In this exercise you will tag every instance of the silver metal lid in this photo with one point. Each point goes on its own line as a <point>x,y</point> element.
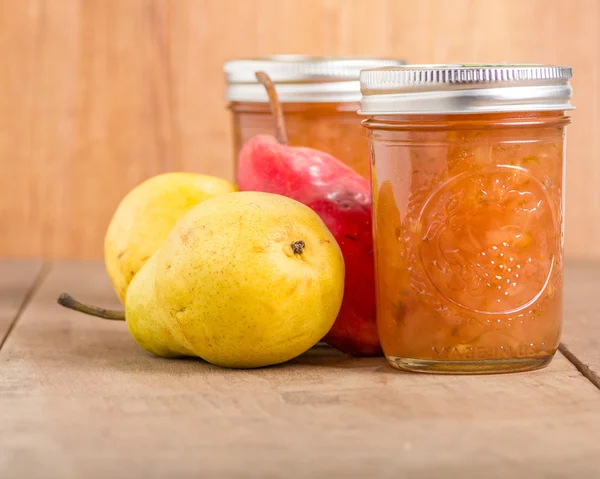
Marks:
<point>300,78</point>
<point>469,88</point>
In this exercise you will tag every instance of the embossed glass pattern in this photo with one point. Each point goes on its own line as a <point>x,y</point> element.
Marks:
<point>468,226</point>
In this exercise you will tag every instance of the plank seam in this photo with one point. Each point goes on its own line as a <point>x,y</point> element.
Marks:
<point>584,369</point>
<point>33,289</point>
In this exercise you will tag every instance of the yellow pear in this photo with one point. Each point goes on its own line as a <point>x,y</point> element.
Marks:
<point>145,216</point>
<point>145,319</point>
<point>243,280</point>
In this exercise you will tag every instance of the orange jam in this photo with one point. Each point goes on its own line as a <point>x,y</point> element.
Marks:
<point>330,127</point>
<point>467,167</point>
<point>468,228</point>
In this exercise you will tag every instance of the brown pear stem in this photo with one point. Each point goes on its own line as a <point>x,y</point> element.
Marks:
<point>68,302</point>
<point>276,110</point>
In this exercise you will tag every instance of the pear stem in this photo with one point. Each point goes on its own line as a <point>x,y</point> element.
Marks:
<point>68,302</point>
<point>276,109</point>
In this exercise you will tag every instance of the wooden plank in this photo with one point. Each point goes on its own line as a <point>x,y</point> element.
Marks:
<point>78,398</point>
<point>581,334</point>
<point>17,279</point>
<point>96,96</point>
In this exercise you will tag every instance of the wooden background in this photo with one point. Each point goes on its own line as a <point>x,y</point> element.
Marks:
<point>97,95</point>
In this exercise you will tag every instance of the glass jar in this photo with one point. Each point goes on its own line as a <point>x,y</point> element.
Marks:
<point>319,95</point>
<point>467,166</point>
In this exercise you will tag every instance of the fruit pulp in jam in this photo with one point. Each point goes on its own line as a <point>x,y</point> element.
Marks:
<point>468,236</point>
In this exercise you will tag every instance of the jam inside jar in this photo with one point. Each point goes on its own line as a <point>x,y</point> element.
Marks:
<point>468,237</point>
<point>320,97</point>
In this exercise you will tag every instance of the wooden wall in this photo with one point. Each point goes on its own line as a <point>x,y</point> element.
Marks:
<point>97,95</point>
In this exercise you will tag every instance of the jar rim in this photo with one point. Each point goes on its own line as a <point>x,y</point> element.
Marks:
<point>465,88</point>
<point>301,78</point>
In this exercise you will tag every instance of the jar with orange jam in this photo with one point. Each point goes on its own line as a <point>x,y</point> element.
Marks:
<point>319,95</point>
<point>467,166</point>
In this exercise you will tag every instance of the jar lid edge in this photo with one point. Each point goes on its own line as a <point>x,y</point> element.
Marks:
<point>465,88</point>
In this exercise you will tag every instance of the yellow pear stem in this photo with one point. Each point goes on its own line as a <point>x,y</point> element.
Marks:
<point>276,110</point>
<point>67,301</point>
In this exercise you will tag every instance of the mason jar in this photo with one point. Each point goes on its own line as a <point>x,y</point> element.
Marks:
<point>467,166</point>
<point>320,97</point>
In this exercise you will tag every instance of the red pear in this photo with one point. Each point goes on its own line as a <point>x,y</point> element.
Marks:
<point>342,198</point>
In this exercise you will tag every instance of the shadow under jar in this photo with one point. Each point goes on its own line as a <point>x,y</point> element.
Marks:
<point>467,166</point>
<point>320,97</point>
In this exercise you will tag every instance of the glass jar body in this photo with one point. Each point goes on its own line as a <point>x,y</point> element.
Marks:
<point>468,235</point>
<point>331,127</point>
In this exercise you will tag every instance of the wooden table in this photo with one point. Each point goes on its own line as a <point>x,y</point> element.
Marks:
<point>79,399</point>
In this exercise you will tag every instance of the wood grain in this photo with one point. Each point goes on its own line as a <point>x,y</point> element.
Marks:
<point>581,335</point>
<point>79,399</point>
<point>17,281</point>
<point>96,96</point>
